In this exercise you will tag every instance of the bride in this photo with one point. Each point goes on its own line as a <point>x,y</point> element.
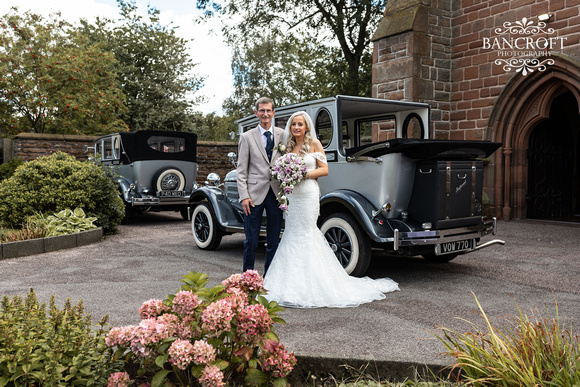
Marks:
<point>305,272</point>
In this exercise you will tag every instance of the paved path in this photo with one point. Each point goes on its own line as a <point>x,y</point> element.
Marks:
<point>538,264</point>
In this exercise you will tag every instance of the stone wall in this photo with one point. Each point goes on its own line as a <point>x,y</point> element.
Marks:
<point>433,51</point>
<point>211,156</point>
<point>412,57</point>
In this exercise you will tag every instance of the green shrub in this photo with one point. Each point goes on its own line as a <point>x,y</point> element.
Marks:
<point>68,222</point>
<point>528,351</point>
<point>40,347</point>
<point>7,169</point>
<point>52,183</point>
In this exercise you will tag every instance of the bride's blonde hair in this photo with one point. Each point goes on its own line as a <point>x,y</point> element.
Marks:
<point>291,141</point>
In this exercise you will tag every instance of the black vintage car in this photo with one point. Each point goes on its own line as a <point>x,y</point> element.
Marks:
<point>157,169</point>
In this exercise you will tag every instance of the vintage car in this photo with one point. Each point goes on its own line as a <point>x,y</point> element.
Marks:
<point>157,169</point>
<point>389,186</point>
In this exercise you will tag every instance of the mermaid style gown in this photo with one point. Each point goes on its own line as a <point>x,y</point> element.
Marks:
<point>305,272</point>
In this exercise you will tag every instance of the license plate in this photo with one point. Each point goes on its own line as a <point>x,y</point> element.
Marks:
<point>170,193</point>
<point>454,247</point>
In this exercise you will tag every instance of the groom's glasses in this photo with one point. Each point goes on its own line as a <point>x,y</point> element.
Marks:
<point>262,111</point>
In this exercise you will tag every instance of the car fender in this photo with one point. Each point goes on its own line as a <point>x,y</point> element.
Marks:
<point>125,189</point>
<point>378,228</point>
<point>226,215</point>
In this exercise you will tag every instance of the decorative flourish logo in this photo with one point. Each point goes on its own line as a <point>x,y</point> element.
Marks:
<point>523,46</point>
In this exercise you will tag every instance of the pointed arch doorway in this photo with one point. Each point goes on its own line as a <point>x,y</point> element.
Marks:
<point>537,119</point>
<point>553,163</point>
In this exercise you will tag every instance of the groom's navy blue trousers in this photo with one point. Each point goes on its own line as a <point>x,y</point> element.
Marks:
<point>252,225</point>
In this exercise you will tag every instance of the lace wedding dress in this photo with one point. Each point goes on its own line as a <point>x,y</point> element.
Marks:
<point>305,272</point>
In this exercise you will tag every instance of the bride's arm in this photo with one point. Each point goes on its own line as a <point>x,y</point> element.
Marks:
<point>322,169</point>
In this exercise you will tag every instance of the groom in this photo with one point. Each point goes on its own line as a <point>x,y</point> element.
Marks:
<point>258,151</point>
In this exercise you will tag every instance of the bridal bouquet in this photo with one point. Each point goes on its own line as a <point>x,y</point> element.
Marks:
<point>288,170</point>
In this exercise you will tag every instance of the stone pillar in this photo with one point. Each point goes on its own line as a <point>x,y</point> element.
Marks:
<point>412,57</point>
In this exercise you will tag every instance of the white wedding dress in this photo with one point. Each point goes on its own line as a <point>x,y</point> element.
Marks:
<point>305,272</point>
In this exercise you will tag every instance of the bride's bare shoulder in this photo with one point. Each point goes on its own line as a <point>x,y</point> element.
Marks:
<point>316,145</point>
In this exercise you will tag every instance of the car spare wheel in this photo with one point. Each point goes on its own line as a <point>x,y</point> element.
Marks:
<point>170,179</point>
<point>348,242</point>
<point>206,233</point>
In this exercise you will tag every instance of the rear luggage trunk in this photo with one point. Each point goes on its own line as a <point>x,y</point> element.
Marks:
<point>447,194</point>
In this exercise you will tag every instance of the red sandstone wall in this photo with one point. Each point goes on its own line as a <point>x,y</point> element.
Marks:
<point>476,80</point>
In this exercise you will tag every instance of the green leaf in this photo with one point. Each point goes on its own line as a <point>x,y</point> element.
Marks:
<point>159,378</point>
<point>280,382</point>
<point>255,377</point>
<point>161,360</point>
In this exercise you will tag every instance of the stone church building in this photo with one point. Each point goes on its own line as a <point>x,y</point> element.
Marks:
<point>503,71</point>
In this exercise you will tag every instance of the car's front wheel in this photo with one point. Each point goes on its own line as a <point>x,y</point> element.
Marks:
<point>206,233</point>
<point>348,242</point>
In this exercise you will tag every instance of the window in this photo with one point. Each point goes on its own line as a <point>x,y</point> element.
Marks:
<point>413,126</point>
<point>383,129</point>
<point>323,127</point>
<point>166,144</point>
<point>281,121</point>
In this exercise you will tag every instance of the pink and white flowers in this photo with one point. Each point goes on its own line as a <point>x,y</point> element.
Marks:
<point>288,170</point>
<point>207,335</point>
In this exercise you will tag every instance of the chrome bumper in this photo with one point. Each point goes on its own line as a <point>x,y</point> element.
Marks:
<point>434,237</point>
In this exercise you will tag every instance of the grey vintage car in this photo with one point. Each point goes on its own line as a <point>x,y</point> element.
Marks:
<point>389,186</point>
<point>157,169</point>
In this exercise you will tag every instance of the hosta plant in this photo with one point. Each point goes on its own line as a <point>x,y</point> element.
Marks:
<point>68,222</point>
<point>208,336</point>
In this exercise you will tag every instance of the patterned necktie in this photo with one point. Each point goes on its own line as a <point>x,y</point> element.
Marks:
<point>269,144</point>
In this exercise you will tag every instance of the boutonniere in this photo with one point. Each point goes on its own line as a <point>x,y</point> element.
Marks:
<point>281,147</point>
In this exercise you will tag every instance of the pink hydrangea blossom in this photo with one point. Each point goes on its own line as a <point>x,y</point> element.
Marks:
<point>121,336</point>
<point>119,379</point>
<point>250,280</point>
<point>152,309</point>
<point>217,317</point>
<point>233,281</point>
<point>253,281</point>
<point>168,325</point>
<point>211,376</point>
<point>185,303</point>
<point>253,322</point>
<point>203,353</point>
<point>278,361</point>
<point>181,353</point>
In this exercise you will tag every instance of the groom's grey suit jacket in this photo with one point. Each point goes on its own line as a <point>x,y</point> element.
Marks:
<point>253,172</point>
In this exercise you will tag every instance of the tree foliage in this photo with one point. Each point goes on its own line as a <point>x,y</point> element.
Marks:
<point>53,80</point>
<point>310,47</point>
<point>154,68</point>
<point>289,71</point>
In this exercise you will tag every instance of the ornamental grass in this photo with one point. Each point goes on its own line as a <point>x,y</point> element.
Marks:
<point>528,350</point>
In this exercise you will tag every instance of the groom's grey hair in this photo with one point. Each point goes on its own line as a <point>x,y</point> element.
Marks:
<point>264,100</point>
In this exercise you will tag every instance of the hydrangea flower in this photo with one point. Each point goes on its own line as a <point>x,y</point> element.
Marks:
<point>211,376</point>
<point>217,317</point>
<point>185,303</point>
<point>203,353</point>
<point>119,379</point>
<point>278,361</point>
<point>253,323</point>
<point>152,309</point>
<point>181,353</point>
